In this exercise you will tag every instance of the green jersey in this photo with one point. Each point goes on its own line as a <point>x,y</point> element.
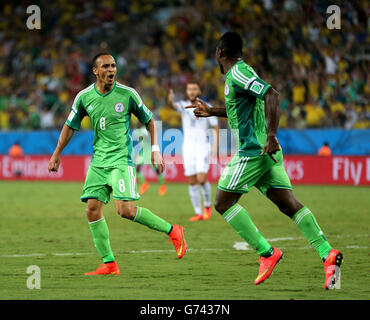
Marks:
<point>245,108</point>
<point>110,115</point>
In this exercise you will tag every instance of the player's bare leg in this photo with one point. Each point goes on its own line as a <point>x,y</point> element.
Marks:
<point>128,210</point>
<point>225,200</point>
<point>285,200</point>
<point>287,203</point>
<point>205,188</point>
<point>227,204</point>
<point>94,210</point>
<point>100,234</point>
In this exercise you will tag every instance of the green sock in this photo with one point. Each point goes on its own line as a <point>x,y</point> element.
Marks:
<point>161,178</point>
<point>307,223</point>
<point>140,177</point>
<point>240,220</point>
<point>100,234</point>
<point>149,219</point>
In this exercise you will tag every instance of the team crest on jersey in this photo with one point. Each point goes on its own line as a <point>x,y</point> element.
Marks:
<point>119,107</point>
<point>227,90</point>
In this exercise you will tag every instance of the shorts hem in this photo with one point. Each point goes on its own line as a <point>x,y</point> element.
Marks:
<point>235,191</point>
<point>85,198</point>
<point>281,187</point>
<point>126,198</point>
<point>264,190</point>
<point>194,174</point>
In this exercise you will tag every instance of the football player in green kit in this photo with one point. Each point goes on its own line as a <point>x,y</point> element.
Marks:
<point>109,106</point>
<point>252,108</point>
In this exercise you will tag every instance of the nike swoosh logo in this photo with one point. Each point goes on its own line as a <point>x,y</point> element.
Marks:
<point>180,250</point>
<point>260,276</point>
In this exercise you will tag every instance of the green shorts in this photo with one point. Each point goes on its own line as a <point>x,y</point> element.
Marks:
<point>242,173</point>
<point>100,182</point>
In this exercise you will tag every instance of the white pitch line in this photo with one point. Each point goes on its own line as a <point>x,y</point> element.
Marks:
<point>238,245</point>
<point>43,254</point>
<point>241,248</point>
<point>71,254</point>
<point>23,255</point>
<point>356,247</point>
<point>242,245</point>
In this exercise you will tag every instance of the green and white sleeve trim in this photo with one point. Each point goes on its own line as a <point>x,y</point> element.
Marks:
<point>79,95</point>
<point>241,78</point>
<point>140,101</point>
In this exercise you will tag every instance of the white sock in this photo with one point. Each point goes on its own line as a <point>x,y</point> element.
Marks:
<point>206,192</point>
<point>195,198</point>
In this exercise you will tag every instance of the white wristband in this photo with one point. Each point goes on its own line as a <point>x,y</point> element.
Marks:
<point>155,148</point>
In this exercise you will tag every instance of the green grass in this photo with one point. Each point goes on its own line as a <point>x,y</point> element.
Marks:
<point>44,223</point>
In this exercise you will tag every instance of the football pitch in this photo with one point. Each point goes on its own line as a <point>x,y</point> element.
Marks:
<point>44,224</point>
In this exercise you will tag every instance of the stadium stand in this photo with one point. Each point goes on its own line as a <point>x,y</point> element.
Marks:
<point>323,75</point>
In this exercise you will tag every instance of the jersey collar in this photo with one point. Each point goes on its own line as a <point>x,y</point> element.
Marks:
<point>105,94</point>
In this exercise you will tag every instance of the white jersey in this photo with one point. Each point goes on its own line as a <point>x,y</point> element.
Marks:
<point>195,130</point>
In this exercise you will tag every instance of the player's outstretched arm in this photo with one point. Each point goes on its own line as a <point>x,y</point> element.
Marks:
<point>170,100</point>
<point>202,109</point>
<point>272,113</point>
<point>64,137</point>
<point>157,159</point>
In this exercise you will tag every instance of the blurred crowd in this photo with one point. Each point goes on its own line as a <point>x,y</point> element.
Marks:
<point>323,75</point>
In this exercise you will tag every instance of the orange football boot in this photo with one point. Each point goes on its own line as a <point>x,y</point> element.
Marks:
<point>144,187</point>
<point>162,190</point>
<point>207,213</point>
<point>177,236</point>
<point>196,217</point>
<point>267,265</point>
<point>106,268</point>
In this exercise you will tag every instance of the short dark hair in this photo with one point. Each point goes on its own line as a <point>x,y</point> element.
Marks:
<point>193,81</point>
<point>93,61</point>
<point>232,44</point>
